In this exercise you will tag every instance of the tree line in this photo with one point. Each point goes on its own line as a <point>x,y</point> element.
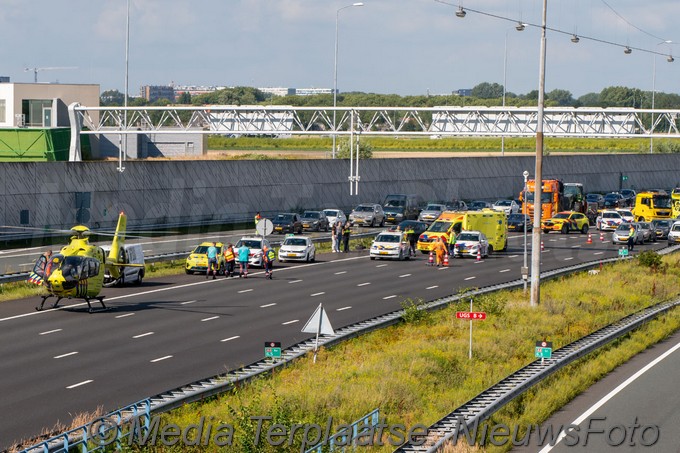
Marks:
<point>484,94</point>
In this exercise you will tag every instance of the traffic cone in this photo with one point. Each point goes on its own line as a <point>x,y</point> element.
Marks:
<point>430,260</point>
<point>479,255</point>
<point>601,236</point>
<point>590,239</point>
<point>446,260</point>
<point>542,246</point>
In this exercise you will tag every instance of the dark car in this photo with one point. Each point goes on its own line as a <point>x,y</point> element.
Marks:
<point>457,205</point>
<point>478,205</point>
<point>628,195</point>
<point>418,226</point>
<point>314,220</point>
<point>288,222</point>
<point>516,222</point>
<point>595,198</point>
<point>614,200</point>
<point>661,227</point>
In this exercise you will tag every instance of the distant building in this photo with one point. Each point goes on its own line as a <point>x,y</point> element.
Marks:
<point>463,92</point>
<point>312,91</point>
<point>278,91</point>
<point>153,93</point>
<point>4,79</point>
<point>195,90</point>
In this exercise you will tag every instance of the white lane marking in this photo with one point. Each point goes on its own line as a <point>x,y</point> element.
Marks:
<point>125,315</point>
<point>442,268</point>
<point>289,322</point>
<point>570,258</point>
<point>390,297</point>
<point>230,338</point>
<point>562,239</point>
<point>161,358</point>
<point>245,290</point>
<point>209,319</point>
<point>268,305</point>
<point>364,284</point>
<point>555,240</point>
<point>79,384</point>
<point>317,294</point>
<point>26,264</point>
<point>170,288</point>
<point>405,275</point>
<point>65,355</point>
<point>188,302</point>
<point>341,272</point>
<point>504,270</point>
<point>611,395</point>
<point>143,335</point>
<point>432,287</point>
<point>295,281</point>
<point>343,308</point>
<point>381,265</point>
<point>513,256</point>
<point>598,253</point>
<point>470,278</point>
<point>575,246</point>
<point>49,332</point>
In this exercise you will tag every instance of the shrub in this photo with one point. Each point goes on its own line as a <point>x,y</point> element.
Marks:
<point>365,149</point>
<point>650,258</point>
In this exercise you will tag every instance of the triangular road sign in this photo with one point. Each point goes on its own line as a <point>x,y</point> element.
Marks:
<point>319,323</point>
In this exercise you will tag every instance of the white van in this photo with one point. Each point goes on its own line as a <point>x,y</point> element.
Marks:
<point>130,275</point>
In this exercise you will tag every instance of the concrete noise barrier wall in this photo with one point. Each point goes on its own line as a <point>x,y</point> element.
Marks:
<point>62,194</point>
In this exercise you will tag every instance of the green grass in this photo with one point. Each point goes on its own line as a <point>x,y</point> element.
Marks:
<point>418,371</point>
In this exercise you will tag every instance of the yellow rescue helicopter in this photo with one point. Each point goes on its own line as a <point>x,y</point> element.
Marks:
<point>77,270</point>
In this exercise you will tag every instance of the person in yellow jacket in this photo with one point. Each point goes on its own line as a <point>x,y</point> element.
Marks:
<point>440,250</point>
<point>229,260</point>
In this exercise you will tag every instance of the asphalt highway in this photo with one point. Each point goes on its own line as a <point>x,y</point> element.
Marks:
<point>178,329</point>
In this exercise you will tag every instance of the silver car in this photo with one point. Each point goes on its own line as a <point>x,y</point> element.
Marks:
<point>648,233</point>
<point>622,233</point>
<point>431,212</point>
<point>334,215</point>
<point>368,215</point>
<point>469,243</point>
<point>674,234</point>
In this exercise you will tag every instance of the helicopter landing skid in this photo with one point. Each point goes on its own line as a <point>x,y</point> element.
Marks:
<point>101,301</point>
<point>44,298</point>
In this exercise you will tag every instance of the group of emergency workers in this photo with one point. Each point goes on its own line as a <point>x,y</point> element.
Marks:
<point>231,257</point>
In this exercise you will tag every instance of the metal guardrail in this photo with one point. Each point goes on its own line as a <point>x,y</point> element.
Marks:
<point>341,437</point>
<point>205,388</point>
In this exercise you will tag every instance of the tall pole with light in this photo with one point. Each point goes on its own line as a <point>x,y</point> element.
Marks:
<point>525,269</point>
<point>519,27</point>
<point>538,173</point>
<point>123,147</point>
<point>670,60</point>
<point>335,71</point>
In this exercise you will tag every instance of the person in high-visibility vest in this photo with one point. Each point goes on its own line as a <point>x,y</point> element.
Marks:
<point>268,257</point>
<point>440,250</point>
<point>258,217</point>
<point>229,260</point>
<point>346,230</point>
<point>452,243</point>
<point>411,238</point>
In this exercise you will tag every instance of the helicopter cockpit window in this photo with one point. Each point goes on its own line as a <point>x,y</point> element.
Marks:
<point>93,267</point>
<point>72,268</point>
<point>53,264</point>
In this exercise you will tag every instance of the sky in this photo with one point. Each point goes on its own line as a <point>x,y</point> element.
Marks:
<point>404,47</point>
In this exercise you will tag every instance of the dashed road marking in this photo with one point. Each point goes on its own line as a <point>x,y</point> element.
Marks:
<point>432,287</point>
<point>390,297</point>
<point>50,331</point>
<point>245,290</point>
<point>209,319</point>
<point>343,308</point>
<point>79,384</point>
<point>230,338</point>
<point>65,355</point>
<point>569,258</point>
<point>125,315</point>
<point>381,265</point>
<point>295,281</point>
<point>341,272</point>
<point>161,358</point>
<point>188,302</point>
<point>364,284</point>
<point>268,305</point>
<point>404,275</point>
<point>504,270</point>
<point>598,253</point>
<point>513,256</point>
<point>575,246</point>
<point>290,322</point>
<point>470,278</point>
<point>143,335</point>
<point>317,294</point>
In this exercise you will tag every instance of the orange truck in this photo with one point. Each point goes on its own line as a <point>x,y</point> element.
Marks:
<point>552,198</point>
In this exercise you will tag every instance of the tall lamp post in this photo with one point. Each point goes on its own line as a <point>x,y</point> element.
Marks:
<point>335,69</point>
<point>519,27</point>
<point>123,148</point>
<point>525,269</point>
<point>670,60</point>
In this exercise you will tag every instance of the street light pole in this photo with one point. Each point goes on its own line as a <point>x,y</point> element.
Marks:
<point>123,148</point>
<point>538,174</point>
<point>525,270</point>
<point>505,73</point>
<point>335,71</point>
<point>651,137</point>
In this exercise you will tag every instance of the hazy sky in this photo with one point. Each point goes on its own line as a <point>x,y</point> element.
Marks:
<point>406,47</point>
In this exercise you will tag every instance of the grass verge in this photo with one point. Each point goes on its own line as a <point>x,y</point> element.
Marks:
<point>418,371</point>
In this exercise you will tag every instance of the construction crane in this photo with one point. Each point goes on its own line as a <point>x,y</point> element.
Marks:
<point>35,70</point>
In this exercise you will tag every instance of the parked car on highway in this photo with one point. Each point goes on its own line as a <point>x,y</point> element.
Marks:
<point>608,220</point>
<point>418,226</point>
<point>297,248</point>
<point>314,220</point>
<point>507,206</point>
<point>287,223</point>
<point>614,200</point>
<point>661,228</point>
<point>368,214</point>
<point>469,242</point>
<point>674,234</point>
<point>333,215</point>
<point>255,244</point>
<point>398,207</point>
<point>456,205</point>
<point>478,205</point>
<point>629,195</point>
<point>390,244</point>
<point>431,212</point>
<point>595,198</point>
<point>647,234</point>
<point>197,261</point>
<point>626,214</point>
<point>565,222</point>
<point>516,222</point>
<point>622,232</point>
